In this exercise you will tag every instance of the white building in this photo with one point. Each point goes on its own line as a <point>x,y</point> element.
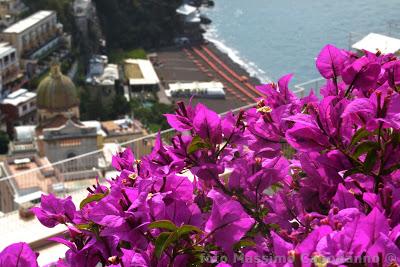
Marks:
<point>197,89</point>
<point>9,66</point>
<point>101,79</point>
<point>32,33</point>
<point>141,75</point>
<point>19,108</point>
<point>24,100</point>
<point>102,73</point>
<point>190,13</point>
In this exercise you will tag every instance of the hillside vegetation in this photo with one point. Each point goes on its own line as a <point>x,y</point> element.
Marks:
<point>127,24</point>
<point>131,24</point>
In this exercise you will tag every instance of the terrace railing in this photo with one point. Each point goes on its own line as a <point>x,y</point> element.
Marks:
<point>304,88</point>
<point>77,173</point>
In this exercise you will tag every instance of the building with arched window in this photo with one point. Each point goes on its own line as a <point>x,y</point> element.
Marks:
<point>60,133</point>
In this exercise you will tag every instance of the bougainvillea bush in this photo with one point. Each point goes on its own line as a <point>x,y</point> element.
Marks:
<point>291,182</point>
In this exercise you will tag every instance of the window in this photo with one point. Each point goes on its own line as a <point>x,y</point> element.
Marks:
<point>70,143</point>
<point>107,91</point>
<point>24,107</point>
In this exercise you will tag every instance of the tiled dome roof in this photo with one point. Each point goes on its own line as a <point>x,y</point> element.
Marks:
<point>57,92</point>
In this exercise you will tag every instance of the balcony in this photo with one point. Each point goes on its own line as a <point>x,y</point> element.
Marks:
<point>33,48</point>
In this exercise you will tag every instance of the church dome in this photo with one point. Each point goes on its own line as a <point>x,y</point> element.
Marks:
<point>57,92</point>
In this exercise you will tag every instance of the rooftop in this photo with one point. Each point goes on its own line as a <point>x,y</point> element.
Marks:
<point>140,72</point>
<point>95,124</point>
<point>196,88</point>
<point>373,41</point>
<point>122,127</point>
<point>186,10</point>
<point>100,72</point>
<point>6,49</point>
<point>109,76</point>
<point>37,181</point>
<point>19,97</point>
<point>30,21</point>
<point>25,133</point>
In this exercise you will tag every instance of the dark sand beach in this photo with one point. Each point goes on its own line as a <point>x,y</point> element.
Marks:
<point>178,64</point>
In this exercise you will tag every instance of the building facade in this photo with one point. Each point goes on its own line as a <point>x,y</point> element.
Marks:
<point>83,12</point>
<point>19,108</point>
<point>102,80</point>
<point>7,203</point>
<point>68,141</point>
<point>9,67</point>
<point>32,33</point>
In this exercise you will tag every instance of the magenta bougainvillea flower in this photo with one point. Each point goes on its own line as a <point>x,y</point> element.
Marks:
<point>291,182</point>
<point>124,161</point>
<point>18,255</point>
<point>54,211</point>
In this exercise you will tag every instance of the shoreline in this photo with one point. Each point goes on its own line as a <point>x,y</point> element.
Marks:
<point>256,75</point>
<point>235,61</point>
<point>239,69</point>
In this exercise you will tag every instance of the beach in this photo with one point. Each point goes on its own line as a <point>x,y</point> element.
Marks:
<point>206,63</point>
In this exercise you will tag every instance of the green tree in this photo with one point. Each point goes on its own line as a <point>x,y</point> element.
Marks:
<point>152,116</point>
<point>138,23</point>
<point>120,106</point>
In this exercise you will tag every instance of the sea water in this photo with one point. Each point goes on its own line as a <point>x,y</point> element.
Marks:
<point>275,37</point>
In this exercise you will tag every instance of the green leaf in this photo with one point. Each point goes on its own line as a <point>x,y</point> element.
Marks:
<point>274,226</point>
<point>360,134</point>
<point>186,229</point>
<point>198,248</point>
<point>161,243</point>
<point>351,172</point>
<point>197,144</point>
<point>243,244</point>
<point>211,247</point>
<point>86,226</point>
<point>365,147</point>
<point>92,198</point>
<point>124,244</point>
<point>370,160</point>
<point>164,224</point>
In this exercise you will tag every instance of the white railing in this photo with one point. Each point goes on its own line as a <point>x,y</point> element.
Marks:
<point>314,84</point>
<point>77,173</point>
